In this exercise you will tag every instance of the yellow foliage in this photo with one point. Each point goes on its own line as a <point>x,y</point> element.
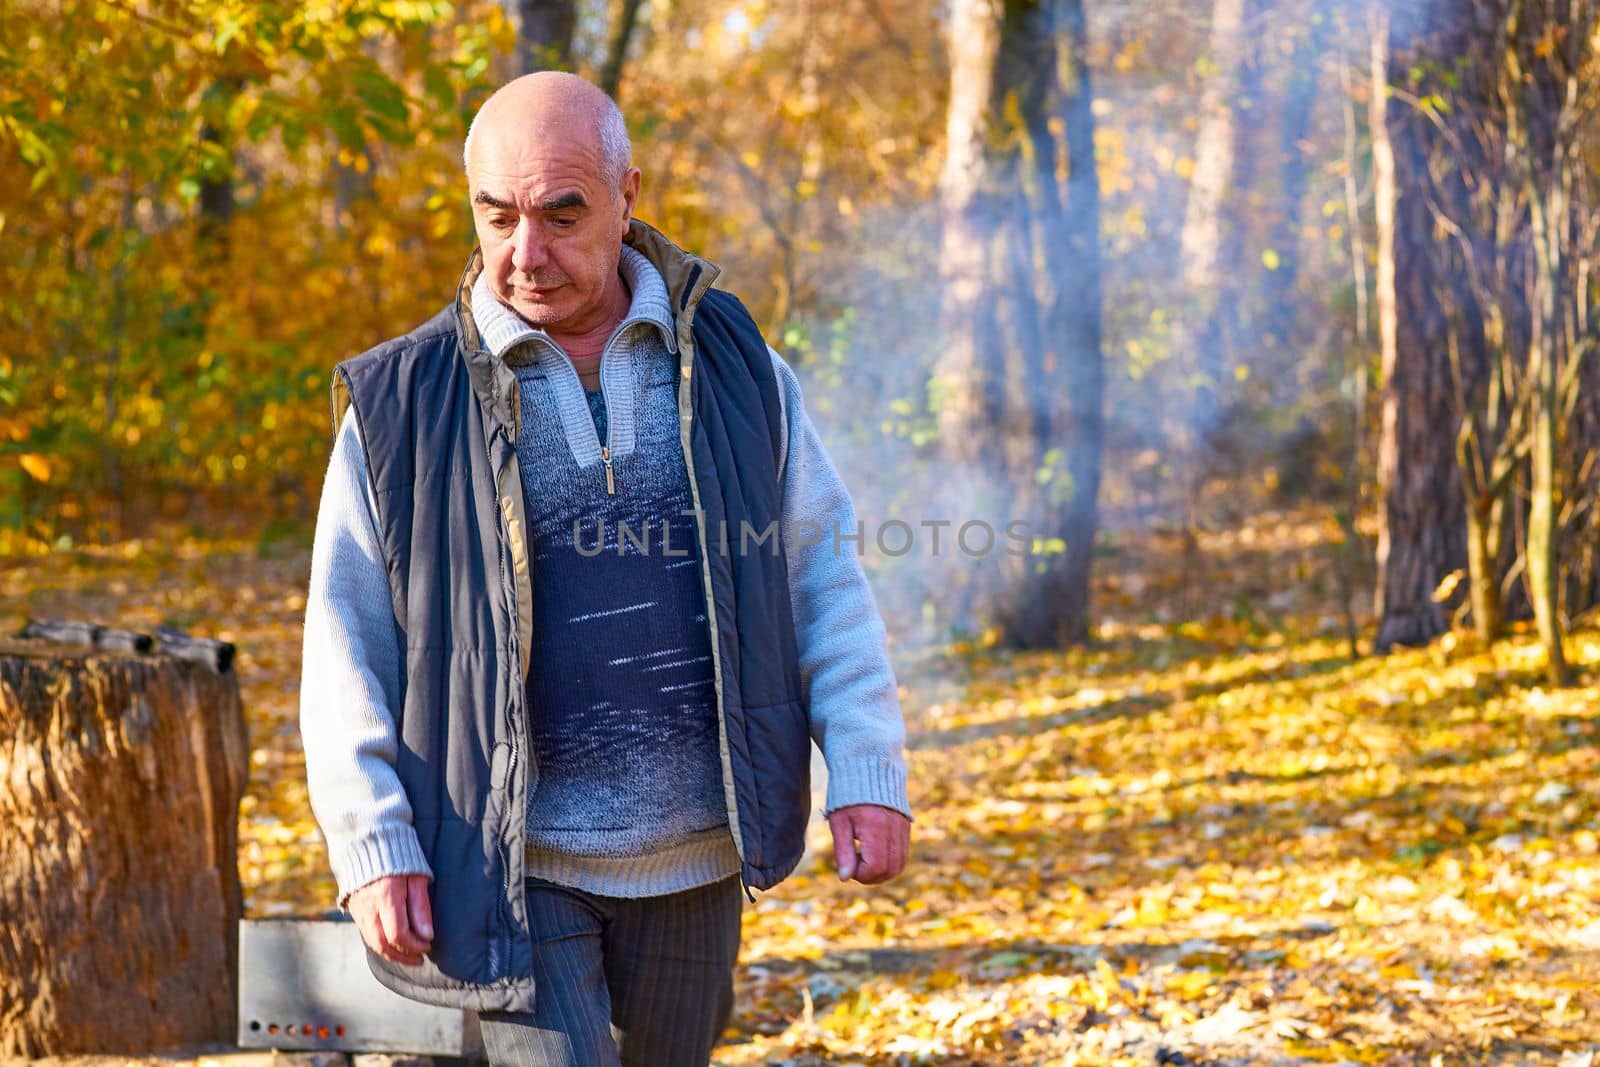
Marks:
<point>37,466</point>
<point>1048,905</point>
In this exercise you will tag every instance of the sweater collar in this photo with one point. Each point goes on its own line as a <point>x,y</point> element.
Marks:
<point>687,277</point>
<point>503,330</point>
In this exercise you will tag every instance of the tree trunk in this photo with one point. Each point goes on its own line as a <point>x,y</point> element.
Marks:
<point>544,33</point>
<point>217,190</point>
<point>1477,281</point>
<point>1020,383</point>
<point>1522,153</point>
<point>969,391</point>
<point>1278,334</point>
<point>1421,534</point>
<point>1349,557</point>
<point>355,167</point>
<point>1059,611</point>
<point>617,46</point>
<point>120,780</point>
<point>1207,246</point>
<point>1285,218</point>
<point>1547,189</point>
<point>1485,521</point>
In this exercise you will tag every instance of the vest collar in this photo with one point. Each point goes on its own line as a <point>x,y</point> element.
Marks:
<point>687,276</point>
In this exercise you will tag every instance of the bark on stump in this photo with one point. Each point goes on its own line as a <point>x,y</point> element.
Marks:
<point>120,781</point>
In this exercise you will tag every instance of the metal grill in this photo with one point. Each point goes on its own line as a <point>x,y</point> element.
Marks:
<point>305,984</point>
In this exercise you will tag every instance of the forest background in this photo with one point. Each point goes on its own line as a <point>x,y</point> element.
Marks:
<point>1270,318</point>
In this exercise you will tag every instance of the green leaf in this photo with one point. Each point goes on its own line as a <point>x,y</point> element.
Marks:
<point>439,88</point>
<point>293,132</point>
<point>380,95</point>
<point>346,126</point>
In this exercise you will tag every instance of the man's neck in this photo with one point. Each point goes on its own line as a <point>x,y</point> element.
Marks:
<point>585,346</point>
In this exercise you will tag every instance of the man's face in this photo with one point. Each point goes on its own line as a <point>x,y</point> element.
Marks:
<point>550,224</point>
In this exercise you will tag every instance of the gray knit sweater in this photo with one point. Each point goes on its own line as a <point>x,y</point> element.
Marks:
<point>352,660</point>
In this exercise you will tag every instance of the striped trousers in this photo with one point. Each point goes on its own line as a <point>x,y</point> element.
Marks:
<point>644,982</point>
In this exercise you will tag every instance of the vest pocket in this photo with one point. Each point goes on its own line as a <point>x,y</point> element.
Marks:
<point>778,738</point>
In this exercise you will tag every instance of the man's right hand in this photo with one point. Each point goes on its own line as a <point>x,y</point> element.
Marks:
<point>394,917</point>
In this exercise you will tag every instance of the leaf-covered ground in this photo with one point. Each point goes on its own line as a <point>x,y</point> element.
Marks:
<point>1206,842</point>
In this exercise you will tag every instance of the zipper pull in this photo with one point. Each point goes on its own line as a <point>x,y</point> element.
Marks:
<point>611,481</point>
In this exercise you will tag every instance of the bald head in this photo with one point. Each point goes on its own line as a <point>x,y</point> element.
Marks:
<point>552,192</point>
<point>554,107</point>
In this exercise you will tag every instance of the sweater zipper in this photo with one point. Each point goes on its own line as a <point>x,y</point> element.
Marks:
<point>605,398</point>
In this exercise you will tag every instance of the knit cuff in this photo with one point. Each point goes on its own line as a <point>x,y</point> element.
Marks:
<point>868,781</point>
<point>390,851</point>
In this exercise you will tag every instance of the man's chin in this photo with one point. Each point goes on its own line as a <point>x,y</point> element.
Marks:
<point>538,312</point>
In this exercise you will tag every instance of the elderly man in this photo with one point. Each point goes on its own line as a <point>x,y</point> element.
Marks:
<point>558,701</point>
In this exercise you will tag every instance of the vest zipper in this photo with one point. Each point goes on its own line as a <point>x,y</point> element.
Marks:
<point>507,577</point>
<point>605,457</point>
<point>516,735</point>
<point>686,441</point>
<point>517,740</point>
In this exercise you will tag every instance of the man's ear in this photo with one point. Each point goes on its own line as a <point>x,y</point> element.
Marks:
<point>629,188</point>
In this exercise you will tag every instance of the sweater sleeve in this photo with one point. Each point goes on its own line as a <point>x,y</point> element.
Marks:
<point>350,684</point>
<point>844,656</point>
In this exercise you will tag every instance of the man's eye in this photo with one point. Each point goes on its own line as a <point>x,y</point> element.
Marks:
<point>502,223</point>
<point>562,223</point>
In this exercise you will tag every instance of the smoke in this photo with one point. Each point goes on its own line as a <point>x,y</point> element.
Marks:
<point>1229,366</point>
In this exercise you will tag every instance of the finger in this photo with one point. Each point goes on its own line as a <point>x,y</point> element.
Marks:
<point>392,951</point>
<point>372,933</point>
<point>874,849</point>
<point>367,925</point>
<point>899,846</point>
<point>403,946</point>
<point>420,909</point>
<point>844,846</point>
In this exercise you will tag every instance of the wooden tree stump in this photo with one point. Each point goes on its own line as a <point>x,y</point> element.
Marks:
<point>120,781</point>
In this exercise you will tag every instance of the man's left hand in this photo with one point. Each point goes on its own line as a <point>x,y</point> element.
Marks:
<point>870,843</point>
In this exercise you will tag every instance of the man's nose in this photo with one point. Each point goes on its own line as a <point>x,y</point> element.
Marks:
<point>528,251</point>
